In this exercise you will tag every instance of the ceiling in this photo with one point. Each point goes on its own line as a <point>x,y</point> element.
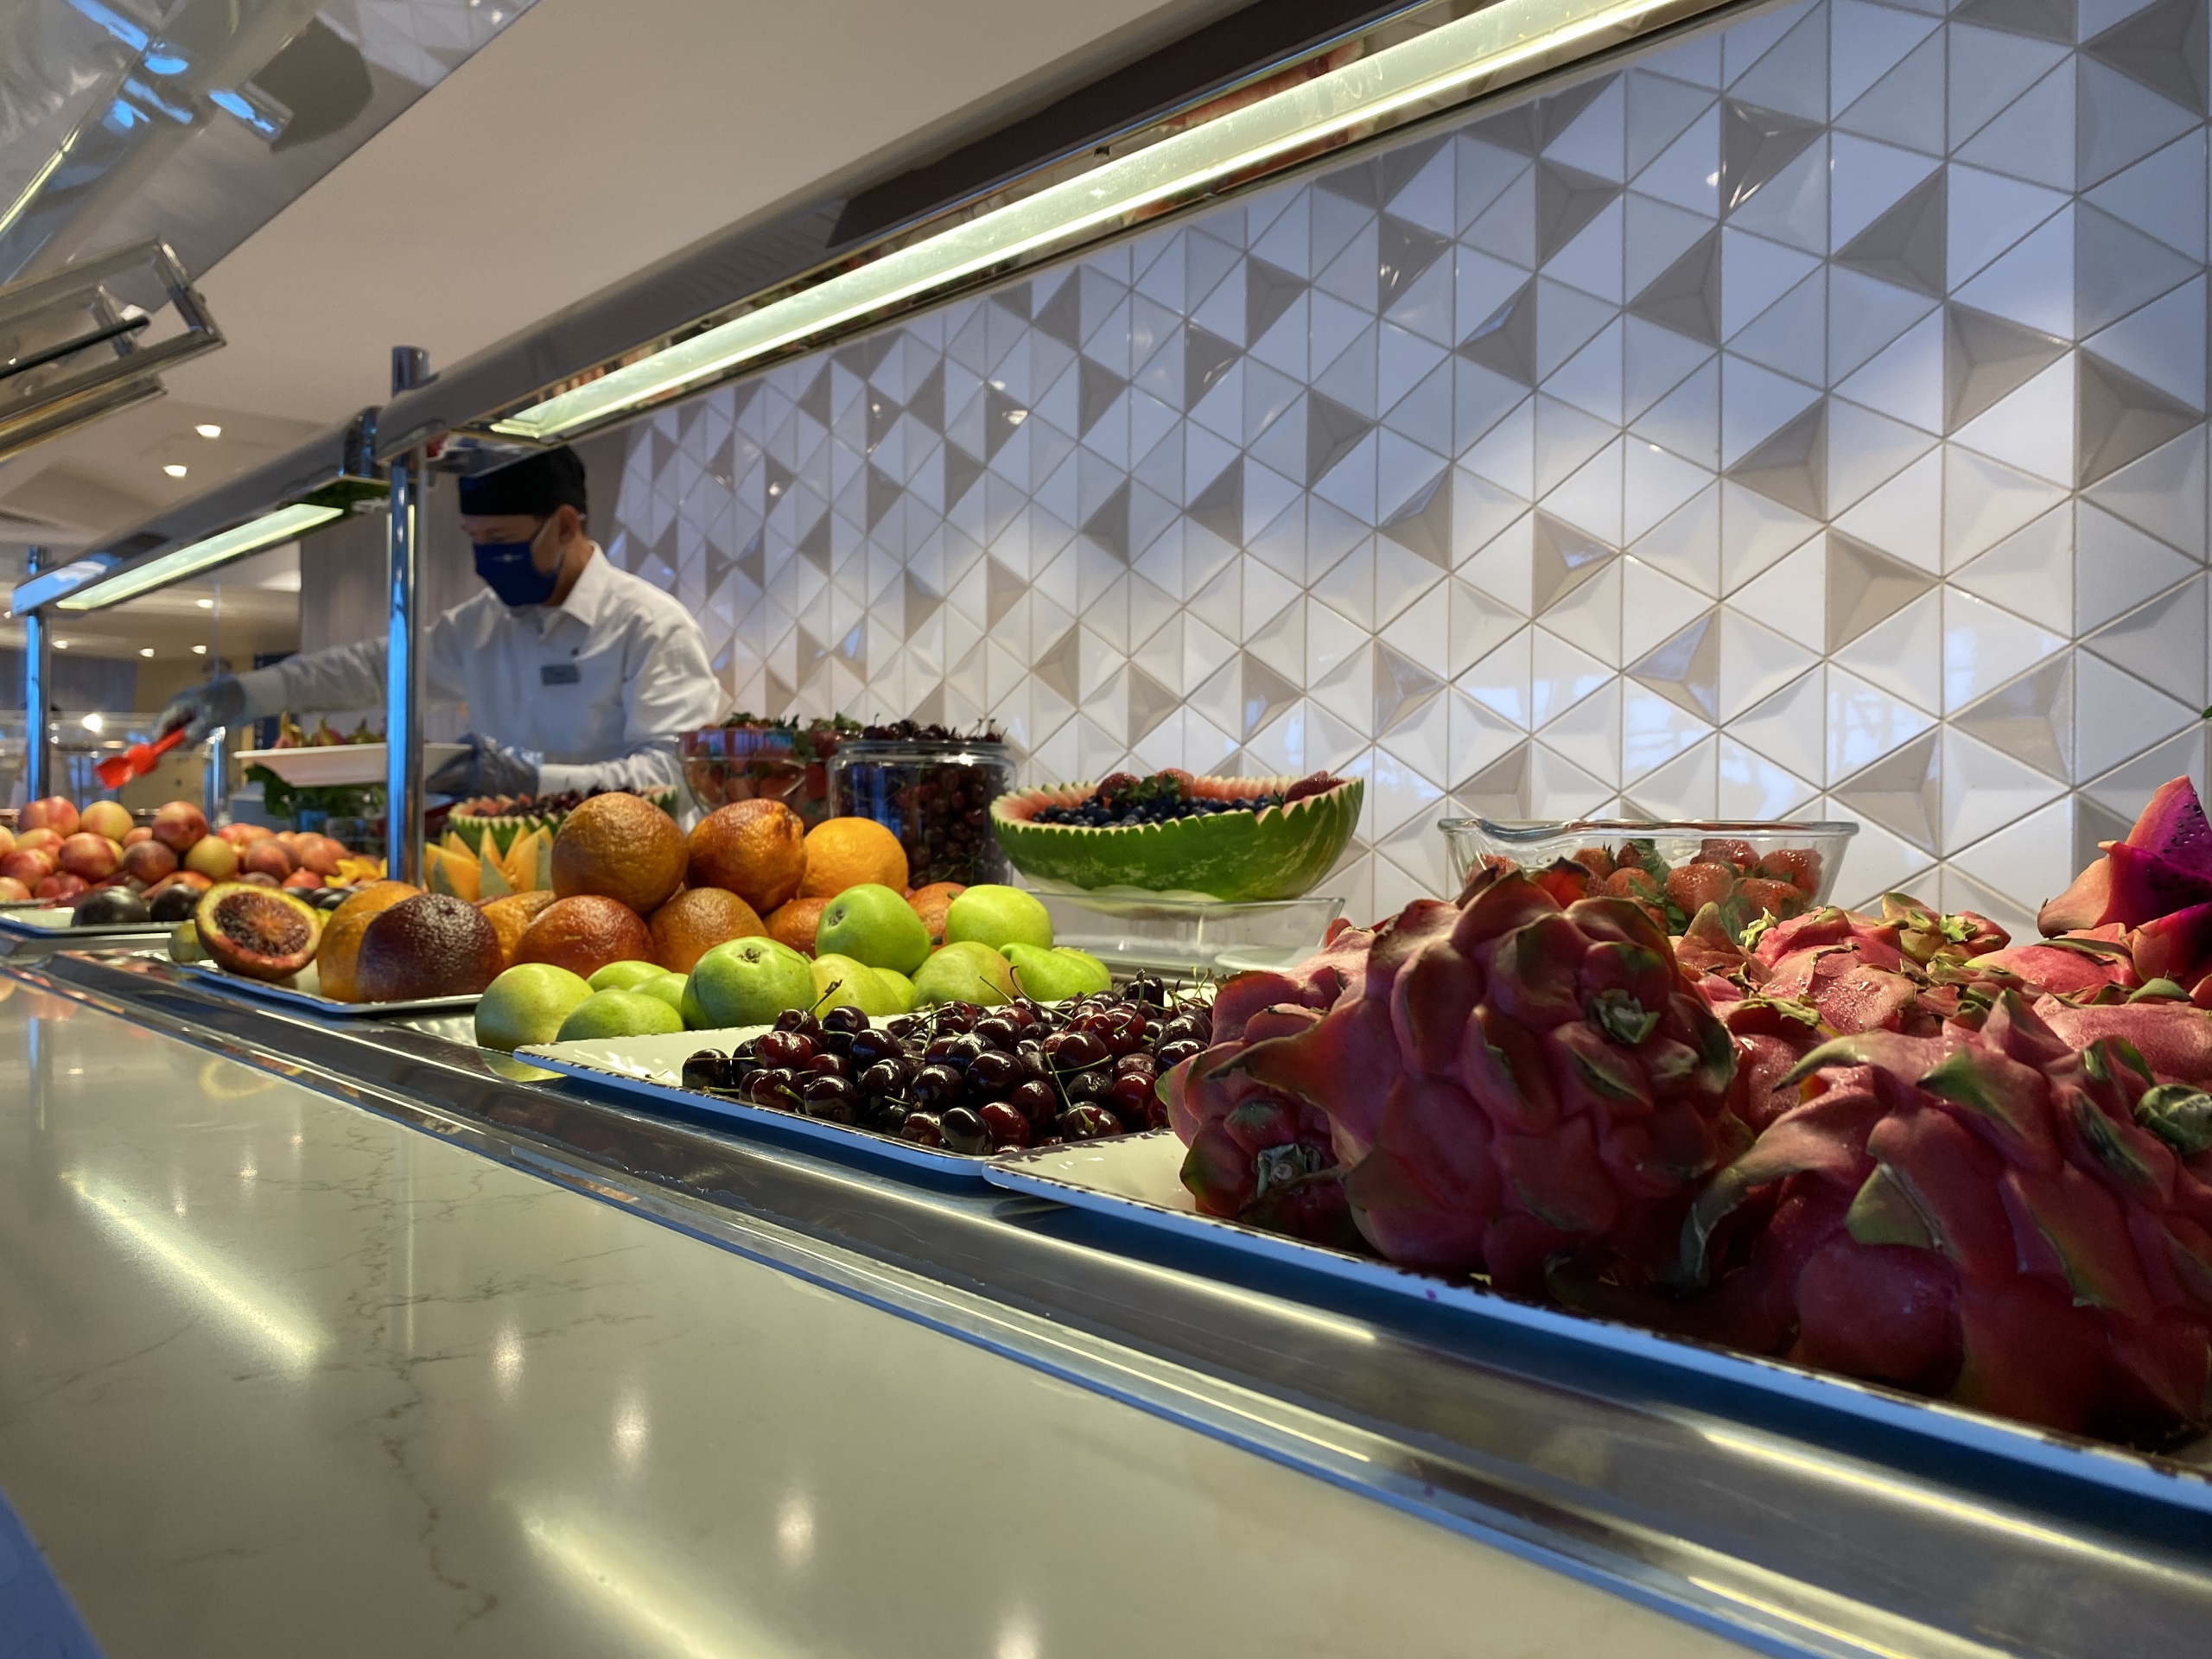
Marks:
<point>587,140</point>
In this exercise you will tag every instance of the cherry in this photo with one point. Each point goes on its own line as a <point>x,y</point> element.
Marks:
<point>1006,1126</point>
<point>922,1128</point>
<point>830,1065</point>
<point>935,1086</point>
<point>992,1072</point>
<point>833,1098</point>
<point>786,1048</point>
<point>964,1130</point>
<point>1175,1054</point>
<point>1038,1102</point>
<point>847,1021</point>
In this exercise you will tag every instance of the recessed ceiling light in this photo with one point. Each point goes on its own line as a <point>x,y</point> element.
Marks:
<point>200,651</point>
<point>175,470</point>
<point>205,604</point>
<point>145,650</point>
<point>61,645</point>
<point>208,430</point>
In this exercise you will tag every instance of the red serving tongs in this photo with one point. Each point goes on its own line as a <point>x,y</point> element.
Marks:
<point>137,761</point>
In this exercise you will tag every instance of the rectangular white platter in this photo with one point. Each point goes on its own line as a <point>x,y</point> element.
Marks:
<point>1136,1180</point>
<point>651,1068</point>
<point>304,991</point>
<point>47,921</point>
<point>339,765</point>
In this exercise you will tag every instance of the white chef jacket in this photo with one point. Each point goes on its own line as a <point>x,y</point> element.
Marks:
<point>599,685</point>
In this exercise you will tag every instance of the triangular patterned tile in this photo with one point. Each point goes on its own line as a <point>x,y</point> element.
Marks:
<point>1568,199</point>
<point>1559,789</point>
<point>2120,567</point>
<point>2160,46</point>
<point>1866,450</point>
<point>1983,790</point>
<point>1565,438</point>
<point>1755,273</point>
<point>1792,207</point>
<point>1660,109</point>
<point>2161,641</point>
<point>2030,573</point>
<point>1904,379</point>
<point>1903,655</point>
<point>1789,596</point>
<point>1790,466</point>
<point>2032,137</point>
<point>1563,558</point>
<point>1790,725</point>
<point>1589,735</point>
<point>2163,343</point>
<point>1990,68</point>
<point>1988,213</point>
<point>2117,124</point>
<point>1654,730</point>
<point>1560,675</point>
<point>2031,719</point>
<point>2028,429</point>
<point>1903,792</point>
<point>2162,194</point>
<point>1755,661</point>
<point>1869,179</point>
<point>1984,503</point>
<point>1906,106</point>
<point>2028,858</point>
<point>1477,738</point>
<point>1876,862</point>
<point>2030,284</point>
<point>1502,789</point>
<point>1656,234</point>
<point>1756,145</point>
<point>1591,261</point>
<point>1654,485</point>
<point>2164,492</point>
<point>1792,75</point>
<point>1686,421</point>
<point>1589,617</point>
<point>1685,787</point>
<point>2117,268</point>
<point>1865,42</point>
<point>1590,498</point>
<point>1791,334</point>
<point>1986,359</point>
<point>1906,243</point>
<point>1751,787</point>
<point>1590,379</point>
<point>1474,624</point>
<point>1756,403</point>
<point>2126,790</point>
<point>2122,417</point>
<point>1685,668</point>
<point>1505,567</point>
<point>1686,174</point>
<point>1687,543</point>
<point>1984,646</point>
<point>1755,531</point>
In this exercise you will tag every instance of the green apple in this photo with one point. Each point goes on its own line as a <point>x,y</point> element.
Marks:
<point>749,983</point>
<point>527,1004</point>
<point>871,924</point>
<point>1056,975</point>
<point>844,982</point>
<point>965,972</point>
<point>997,916</point>
<point>620,1013</point>
<point>900,986</point>
<point>668,987</point>
<point>694,1017</point>
<point>626,975</point>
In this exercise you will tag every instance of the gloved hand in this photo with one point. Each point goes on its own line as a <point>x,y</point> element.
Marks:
<point>487,768</point>
<point>201,708</point>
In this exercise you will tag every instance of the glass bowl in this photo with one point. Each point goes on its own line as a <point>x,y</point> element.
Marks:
<point>764,760</point>
<point>935,795</point>
<point>1779,869</point>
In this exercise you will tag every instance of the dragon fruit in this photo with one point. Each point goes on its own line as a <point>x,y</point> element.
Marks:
<point>2163,865</point>
<point>1996,1217</point>
<point>1504,1081</point>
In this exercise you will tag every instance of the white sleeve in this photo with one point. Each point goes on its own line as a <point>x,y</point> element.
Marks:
<point>352,675</point>
<point>670,689</point>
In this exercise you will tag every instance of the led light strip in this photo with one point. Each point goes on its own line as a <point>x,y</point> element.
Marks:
<point>280,525</point>
<point>1429,66</point>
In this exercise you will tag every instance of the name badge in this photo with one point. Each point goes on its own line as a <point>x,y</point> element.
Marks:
<point>559,674</point>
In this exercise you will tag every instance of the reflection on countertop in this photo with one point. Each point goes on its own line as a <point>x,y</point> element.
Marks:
<point>283,1377</point>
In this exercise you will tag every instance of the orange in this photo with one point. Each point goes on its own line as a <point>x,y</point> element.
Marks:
<point>756,849</point>
<point>931,902</point>
<point>844,853</point>
<point>510,916</point>
<point>793,923</point>
<point>584,933</point>
<point>619,847</point>
<point>339,951</point>
<point>695,921</point>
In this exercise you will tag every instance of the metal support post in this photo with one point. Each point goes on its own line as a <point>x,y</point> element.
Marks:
<point>38,694</point>
<point>403,697</point>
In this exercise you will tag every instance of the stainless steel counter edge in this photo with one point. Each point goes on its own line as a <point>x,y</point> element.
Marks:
<point>1728,1510</point>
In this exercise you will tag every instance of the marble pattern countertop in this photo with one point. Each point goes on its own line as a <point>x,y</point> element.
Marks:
<point>282,1377</point>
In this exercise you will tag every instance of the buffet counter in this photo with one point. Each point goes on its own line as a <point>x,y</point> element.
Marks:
<point>351,1337</point>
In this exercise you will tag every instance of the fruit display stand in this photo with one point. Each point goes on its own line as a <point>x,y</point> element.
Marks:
<point>1141,932</point>
<point>1792,1513</point>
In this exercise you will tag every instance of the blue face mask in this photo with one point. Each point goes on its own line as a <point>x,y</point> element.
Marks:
<point>507,569</point>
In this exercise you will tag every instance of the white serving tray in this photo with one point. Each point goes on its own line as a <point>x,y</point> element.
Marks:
<point>46,921</point>
<point>1136,1180</point>
<point>305,990</point>
<point>339,765</point>
<point>651,1068</point>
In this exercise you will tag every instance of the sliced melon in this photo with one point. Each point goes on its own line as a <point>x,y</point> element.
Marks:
<point>1279,852</point>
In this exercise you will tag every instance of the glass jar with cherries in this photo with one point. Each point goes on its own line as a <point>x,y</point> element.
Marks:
<point>933,789</point>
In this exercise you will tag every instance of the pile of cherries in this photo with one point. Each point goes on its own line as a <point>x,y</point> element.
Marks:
<point>972,1080</point>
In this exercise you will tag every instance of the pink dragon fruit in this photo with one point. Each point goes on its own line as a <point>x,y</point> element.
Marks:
<point>1507,1081</point>
<point>1991,1217</point>
<point>2163,865</point>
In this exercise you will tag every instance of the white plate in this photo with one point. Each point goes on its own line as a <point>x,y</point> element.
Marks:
<point>339,765</point>
<point>45,921</point>
<point>1136,1179</point>
<point>305,990</point>
<point>652,1067</point>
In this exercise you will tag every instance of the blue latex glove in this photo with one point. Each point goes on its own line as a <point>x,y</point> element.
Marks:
<point>201,708</point>
<point>486,768</point>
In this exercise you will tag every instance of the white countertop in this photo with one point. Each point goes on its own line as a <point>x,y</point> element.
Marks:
<point>284,1378</point>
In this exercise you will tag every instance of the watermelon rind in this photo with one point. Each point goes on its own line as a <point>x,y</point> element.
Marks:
<point>504,827</point>
<point>1277,852</point>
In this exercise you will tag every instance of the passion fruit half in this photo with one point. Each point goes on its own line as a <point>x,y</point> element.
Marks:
<point>261,932</point>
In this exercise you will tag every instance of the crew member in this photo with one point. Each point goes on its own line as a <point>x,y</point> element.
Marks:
<point>576,676</point>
